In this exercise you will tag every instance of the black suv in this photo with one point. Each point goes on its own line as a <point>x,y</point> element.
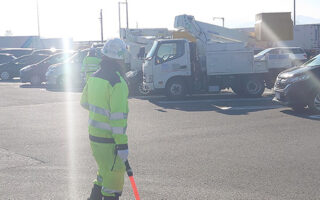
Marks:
<point>299,87</point>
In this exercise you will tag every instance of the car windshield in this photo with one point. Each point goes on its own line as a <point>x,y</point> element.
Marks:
<point>313,62</point>
<point>77,57</point>
<point>60,56</point>
<point>72,57</point>
<point>263,52</point>
<point>152,50</point>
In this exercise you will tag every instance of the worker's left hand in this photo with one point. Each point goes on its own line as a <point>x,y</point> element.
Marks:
<point>122,152</point>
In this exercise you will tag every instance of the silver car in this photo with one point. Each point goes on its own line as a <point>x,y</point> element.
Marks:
<point>67,73</point>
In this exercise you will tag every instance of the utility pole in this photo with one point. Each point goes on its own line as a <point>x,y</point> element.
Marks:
<point>101,25</point>
<point>222,18</point>
<point>294,12</point>
<point>38,19</point>
<point>119,19</point>
<point>127,15</point>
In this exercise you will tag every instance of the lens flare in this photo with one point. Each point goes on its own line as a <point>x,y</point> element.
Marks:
<point>67,84</point>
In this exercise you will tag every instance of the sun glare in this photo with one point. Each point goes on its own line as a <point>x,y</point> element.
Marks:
<point>70,125</point>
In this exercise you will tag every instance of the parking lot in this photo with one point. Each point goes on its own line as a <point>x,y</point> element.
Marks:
<point>203,147</point>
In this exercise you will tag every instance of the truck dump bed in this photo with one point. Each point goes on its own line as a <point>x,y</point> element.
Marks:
<point>230,58</point>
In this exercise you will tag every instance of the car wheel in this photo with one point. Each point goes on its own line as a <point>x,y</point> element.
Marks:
<point>299,108</point>
<point>61,81</point>
<point>314,102</point>
<point>5,76</point>
<point>253,87</point>
<point>176,89</point>
<point>35,80</point>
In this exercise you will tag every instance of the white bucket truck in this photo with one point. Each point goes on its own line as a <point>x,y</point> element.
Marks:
<point>139,41</point>
<point>217,60</point>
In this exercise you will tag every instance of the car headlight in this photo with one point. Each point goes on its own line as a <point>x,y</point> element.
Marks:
<point>298,78</point>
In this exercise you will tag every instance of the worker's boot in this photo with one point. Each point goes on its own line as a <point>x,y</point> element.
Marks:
<point>111,198</point>
<point>96,193</point>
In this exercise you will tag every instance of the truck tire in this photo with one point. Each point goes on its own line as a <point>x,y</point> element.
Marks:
<point>142,90</point>
<point>176,89</point>
<point>238,90</point>
<point>314,102</point>
<point>253,87</point>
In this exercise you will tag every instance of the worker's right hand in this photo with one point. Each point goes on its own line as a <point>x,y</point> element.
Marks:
<point>122,151</point>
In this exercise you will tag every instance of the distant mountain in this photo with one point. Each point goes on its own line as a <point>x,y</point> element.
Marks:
<point>307,20</point>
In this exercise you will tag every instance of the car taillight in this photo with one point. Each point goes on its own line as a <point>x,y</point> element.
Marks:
<point>305,55</point>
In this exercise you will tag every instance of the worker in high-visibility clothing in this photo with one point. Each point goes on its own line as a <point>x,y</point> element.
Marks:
<point>105,95</point>
<point>90,64</point>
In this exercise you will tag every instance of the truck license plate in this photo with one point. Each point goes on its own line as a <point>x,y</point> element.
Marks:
<point>277,95</point>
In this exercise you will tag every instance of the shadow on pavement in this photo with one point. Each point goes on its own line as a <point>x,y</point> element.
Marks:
<point>305,114</point>
<point>33,86</point>
<point>53,88</point>
<point>228,104</point>
<point>10,81</point>
<point>58,89</point>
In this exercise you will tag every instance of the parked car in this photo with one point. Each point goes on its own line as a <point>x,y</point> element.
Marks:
<point>68,72</point>
<point>296,55</point>
<point>46,51</point>
<point>35,73</point>
<point>17,52</point>
<point>12,69</point>
<point>5,58</point>
<point>299,87</point>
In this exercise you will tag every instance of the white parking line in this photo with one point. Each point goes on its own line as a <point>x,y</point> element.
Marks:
<point>250,107</point>
<point>314,116</point>
<point>215,100</point>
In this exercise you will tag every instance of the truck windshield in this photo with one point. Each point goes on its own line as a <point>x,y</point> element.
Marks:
<point>152,50</point>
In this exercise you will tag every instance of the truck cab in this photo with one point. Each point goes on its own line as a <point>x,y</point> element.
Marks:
<point>168,66</point>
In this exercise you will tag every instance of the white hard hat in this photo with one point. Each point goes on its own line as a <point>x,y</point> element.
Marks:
<point>114,48</point>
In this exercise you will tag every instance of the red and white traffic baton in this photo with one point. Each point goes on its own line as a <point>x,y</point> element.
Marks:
<point>133,184</point>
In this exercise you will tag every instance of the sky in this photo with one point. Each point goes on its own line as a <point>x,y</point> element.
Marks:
<point>79,19</point>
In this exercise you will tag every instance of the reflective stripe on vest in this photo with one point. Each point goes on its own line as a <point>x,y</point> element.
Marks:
<point>106,190</point>
<point>106,126</point>
<point>111,116</point>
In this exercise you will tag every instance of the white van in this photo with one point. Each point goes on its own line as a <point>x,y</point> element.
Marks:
<point>282,57</point>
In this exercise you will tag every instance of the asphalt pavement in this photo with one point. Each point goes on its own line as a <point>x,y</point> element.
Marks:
<point>204,147</point>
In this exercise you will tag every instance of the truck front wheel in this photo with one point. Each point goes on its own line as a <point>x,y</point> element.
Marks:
<point>176,89</point>
<point>253,87</point>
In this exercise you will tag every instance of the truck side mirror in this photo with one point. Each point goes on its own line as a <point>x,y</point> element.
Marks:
<point>142,53</point>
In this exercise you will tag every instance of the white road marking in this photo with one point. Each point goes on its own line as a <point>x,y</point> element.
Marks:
<point>250,107</point>
<point>215,100</point>
<point>314,116</point>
